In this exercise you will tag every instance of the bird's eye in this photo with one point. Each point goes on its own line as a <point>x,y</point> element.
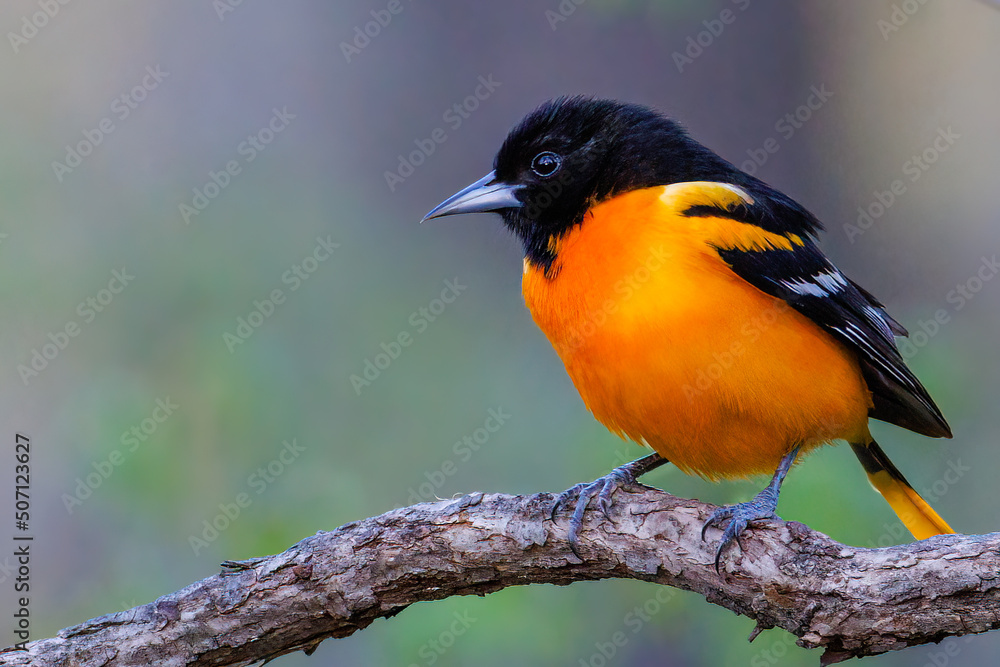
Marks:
<point>545,164</point>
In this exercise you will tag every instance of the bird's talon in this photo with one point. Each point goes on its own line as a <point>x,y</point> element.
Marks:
<point>623,477</point>
<point>717,517</point>
<point>739,515</point>
<point>564,498</point>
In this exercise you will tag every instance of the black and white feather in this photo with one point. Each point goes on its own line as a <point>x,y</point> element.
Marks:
<point>812,285</point>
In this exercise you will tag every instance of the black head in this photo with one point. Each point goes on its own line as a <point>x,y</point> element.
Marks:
<point>572,153</point>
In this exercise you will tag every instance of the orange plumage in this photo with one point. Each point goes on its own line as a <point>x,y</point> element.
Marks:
<point>692,308</point>
<point>632,306</point>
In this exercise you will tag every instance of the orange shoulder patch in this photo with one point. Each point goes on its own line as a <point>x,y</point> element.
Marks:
<point>721,232</point>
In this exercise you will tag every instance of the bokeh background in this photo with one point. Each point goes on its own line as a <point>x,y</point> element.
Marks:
<point>899,75</point>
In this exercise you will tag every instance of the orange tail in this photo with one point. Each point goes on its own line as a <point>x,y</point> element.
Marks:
<point>919,517</point>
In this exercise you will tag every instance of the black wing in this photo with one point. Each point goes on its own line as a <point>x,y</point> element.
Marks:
<point>807,280</point>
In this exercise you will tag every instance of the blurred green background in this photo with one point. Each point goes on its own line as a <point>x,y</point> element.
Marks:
<point>114,514</point>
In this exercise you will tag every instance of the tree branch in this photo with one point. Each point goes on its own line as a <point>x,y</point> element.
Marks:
<point>852,602</point>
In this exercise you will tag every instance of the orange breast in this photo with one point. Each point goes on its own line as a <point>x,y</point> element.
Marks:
<point>667,346</point>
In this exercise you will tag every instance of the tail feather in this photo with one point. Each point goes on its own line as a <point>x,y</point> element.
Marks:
<point>913,511</point>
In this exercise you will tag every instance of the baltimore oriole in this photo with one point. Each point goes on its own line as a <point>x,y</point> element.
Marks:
<point>693,310</point>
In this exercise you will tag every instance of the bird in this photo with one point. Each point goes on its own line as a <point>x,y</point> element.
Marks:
<point>694,311</point>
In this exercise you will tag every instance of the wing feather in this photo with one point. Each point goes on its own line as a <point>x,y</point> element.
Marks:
<point>810,283</point>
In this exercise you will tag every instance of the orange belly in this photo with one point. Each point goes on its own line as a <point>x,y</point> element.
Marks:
<point>667,346</point>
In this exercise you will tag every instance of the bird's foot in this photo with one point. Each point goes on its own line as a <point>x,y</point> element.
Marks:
<point>761,508</point>
<point>623,477</point>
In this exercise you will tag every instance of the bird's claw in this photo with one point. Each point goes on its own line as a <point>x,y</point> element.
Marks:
<point>760,508</point>
<point>622,477</point>
<point>603,488</point>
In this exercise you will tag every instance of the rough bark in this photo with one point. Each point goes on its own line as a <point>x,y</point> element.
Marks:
<point>849,601</point>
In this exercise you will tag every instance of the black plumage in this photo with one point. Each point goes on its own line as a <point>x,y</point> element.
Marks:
<point>606,148</point>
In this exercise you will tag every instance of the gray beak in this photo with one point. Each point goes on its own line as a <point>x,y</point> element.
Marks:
<point>486,194</point>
